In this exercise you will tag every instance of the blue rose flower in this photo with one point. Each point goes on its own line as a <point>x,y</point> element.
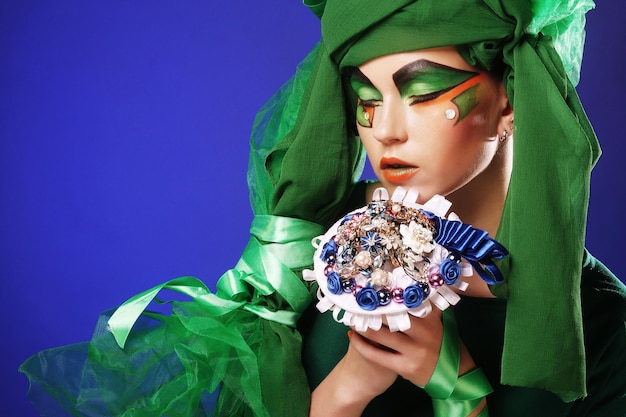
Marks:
<point>333,283</point>
<point>450,271</point>
<point>413,296</point>
<point>367,298</point>
<point>329,251</point>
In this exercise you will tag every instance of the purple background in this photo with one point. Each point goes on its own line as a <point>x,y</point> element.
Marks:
<point>124,131</point>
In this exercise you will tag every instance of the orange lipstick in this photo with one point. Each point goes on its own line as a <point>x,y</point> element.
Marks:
<point>397,171</point>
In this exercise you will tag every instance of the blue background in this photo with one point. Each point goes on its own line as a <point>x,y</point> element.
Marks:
<point>124,140</point>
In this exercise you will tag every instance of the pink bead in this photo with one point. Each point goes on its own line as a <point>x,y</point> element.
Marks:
<point>436,280</point>
<point>397,294</point>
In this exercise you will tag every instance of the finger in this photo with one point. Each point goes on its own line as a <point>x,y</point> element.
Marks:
<point>422,330</point>
<point>384,337</point>
<point>383,356</point>
<point>370,350</point>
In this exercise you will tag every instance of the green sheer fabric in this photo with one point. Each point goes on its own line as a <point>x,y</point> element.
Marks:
<point>555,148</point>
<point>241,340</point>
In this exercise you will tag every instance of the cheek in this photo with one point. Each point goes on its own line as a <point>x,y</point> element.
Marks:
<point>369,143</point>
<point>477,126</point>
<point>366,136</point>
<point>469,146</point>
<point>446,146</point>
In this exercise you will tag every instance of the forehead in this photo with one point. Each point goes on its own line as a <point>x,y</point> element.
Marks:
<point>386,65</point>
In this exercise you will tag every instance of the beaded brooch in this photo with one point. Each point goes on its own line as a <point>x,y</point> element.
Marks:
<point>395,257</point>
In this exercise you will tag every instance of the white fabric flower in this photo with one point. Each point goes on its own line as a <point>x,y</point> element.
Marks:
<point>418,238</point>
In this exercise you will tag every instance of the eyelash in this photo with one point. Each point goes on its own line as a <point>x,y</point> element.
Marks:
<point>425,97</point>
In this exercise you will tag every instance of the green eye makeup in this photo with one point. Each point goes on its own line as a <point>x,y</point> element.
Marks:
<point>368,98</point>
<point>418,82</point>
<point>423,80</point>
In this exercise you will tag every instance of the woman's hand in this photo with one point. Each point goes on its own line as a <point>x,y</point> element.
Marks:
<point>374,360</point>
<point>412,354</point>
<point>351,385</point>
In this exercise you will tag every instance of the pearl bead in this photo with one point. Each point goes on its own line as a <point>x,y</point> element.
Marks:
<point>363,259</point>
<point>380,277</point>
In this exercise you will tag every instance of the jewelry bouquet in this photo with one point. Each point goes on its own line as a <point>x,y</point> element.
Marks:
<point>395,257</point>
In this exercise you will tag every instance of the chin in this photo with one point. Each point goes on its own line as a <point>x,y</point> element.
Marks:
<point>424,193</point>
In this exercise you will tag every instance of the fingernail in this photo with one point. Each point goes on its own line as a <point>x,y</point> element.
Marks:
<point>350,333</point>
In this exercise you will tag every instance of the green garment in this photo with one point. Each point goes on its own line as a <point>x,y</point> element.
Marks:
<point>481,327</point>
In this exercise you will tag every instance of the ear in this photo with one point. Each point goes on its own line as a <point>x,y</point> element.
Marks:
<point>505,124</point>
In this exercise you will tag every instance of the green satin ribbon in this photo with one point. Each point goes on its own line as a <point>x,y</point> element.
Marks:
<point>276,245</point>
<point>455,396</point>
<point>468,392</point>
<point>442,382</point>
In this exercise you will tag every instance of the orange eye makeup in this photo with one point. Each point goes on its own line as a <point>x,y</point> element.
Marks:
<point>420,82</point>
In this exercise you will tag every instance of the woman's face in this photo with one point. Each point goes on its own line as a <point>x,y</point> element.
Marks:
<point>427,119</point>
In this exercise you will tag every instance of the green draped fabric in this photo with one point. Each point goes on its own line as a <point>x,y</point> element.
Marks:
<point>544,218</point>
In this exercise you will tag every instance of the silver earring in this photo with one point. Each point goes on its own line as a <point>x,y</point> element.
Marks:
<point>450,114</point>
<point>505,135</point>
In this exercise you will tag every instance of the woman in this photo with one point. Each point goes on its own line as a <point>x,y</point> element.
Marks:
<point>546,119</point>
<point>459,154</point>
<point>521,172</point>
<point>546,194</point>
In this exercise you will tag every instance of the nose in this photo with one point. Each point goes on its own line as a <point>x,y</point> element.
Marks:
<point>389,124</point>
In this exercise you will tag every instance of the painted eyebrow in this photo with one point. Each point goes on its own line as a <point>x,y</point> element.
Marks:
<point>423,69</point>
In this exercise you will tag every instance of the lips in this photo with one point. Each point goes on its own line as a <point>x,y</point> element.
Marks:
<point>396,170</point>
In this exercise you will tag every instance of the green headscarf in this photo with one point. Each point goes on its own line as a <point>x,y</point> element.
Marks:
<point>544,217</point>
